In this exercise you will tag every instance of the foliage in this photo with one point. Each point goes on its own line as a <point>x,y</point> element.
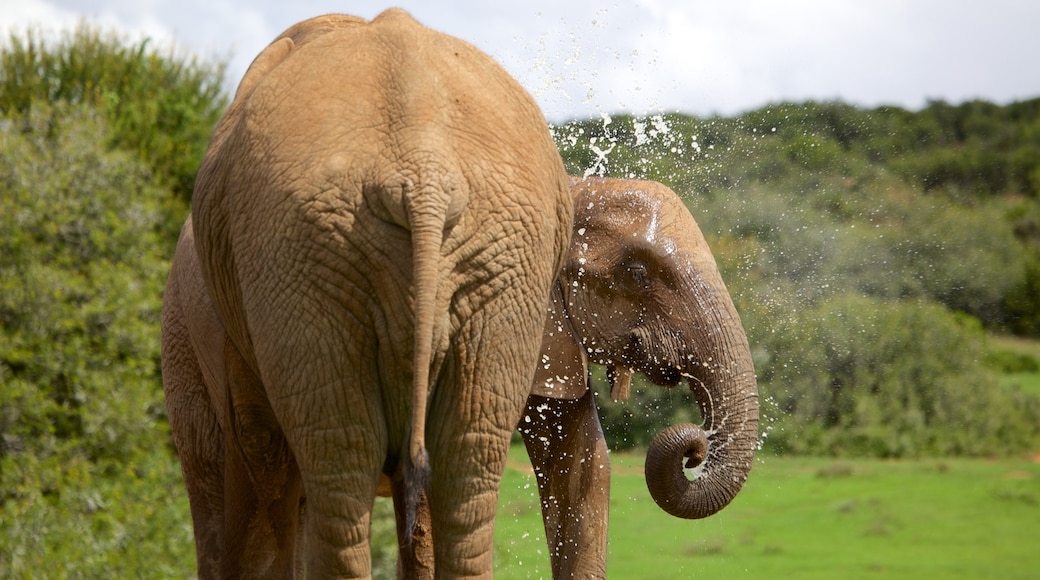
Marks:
<point>903,222</point>
<point>384,539</point>
<point>855,375</point>
<point>1011,362</point>
<point>158,105</point>
<point>86,472</point>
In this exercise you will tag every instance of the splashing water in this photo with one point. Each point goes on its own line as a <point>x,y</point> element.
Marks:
<point>599,166</point>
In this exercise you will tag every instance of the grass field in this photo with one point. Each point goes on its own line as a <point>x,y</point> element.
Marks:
<point>808,518</point>
<point>1026,382</point>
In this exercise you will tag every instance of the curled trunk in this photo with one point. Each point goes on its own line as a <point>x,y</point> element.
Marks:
<point>722,450</point>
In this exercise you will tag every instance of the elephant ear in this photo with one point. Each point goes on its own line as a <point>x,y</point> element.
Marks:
<point>563,368</point>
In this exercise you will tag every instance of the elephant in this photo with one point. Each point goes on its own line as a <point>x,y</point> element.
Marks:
<point>375,229</point>
<point>639,291</point>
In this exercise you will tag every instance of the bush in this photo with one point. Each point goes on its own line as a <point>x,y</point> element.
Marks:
<point>157,105</point>
<point>1011,362</point>
<point>1022,302</point>
<point>86,472</point>
<point>860,376</point>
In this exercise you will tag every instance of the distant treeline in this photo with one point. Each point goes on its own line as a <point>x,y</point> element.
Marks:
<point>972,148</point>
<point>870,253</point>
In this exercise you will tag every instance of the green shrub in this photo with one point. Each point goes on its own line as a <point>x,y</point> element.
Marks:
<point>156,104</point>
<point>1011,362</point>
<point>1022,302</point>
<point>87,476</point>
<point>860,376</point>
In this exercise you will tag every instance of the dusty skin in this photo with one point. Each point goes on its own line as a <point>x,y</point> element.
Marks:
<point>368,248</point>
<point>639,292</point>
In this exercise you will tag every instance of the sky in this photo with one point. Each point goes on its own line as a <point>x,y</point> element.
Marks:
<point>583,58</point>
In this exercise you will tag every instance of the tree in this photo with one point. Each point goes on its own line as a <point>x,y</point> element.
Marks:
<point>87,475</point>
<point>155,104</point>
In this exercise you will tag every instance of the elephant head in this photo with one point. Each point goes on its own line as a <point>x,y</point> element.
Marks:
<point>639,291</point>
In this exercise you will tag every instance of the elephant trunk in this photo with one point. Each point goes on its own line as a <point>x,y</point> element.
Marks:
<point>722,449</point>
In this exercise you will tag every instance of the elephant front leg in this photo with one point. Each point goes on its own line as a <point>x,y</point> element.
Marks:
<point>569,455</point>
<point>198,436</point>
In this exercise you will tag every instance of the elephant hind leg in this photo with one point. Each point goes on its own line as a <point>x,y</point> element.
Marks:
<point>261,517</point>
<point>200,448</point>
<point>262,483</point>
<point>197,434</point>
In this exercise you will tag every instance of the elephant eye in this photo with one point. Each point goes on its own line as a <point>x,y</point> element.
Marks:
<point>636,273</point>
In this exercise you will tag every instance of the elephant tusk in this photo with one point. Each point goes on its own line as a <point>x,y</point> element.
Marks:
<point>620,382</point>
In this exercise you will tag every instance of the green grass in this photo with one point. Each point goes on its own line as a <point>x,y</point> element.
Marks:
<point>808,518</point>
<point>1027,382</point>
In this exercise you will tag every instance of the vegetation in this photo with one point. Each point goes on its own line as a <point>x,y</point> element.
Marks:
<point>84,447</point>
<point>97,142</point>
<point>155,104</point>
<point>872,255</point>
<point>805,517</point>
<point>886,263</point>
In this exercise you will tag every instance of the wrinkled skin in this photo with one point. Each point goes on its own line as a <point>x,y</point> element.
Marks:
<point>639,292</point>
<point>367,247</point>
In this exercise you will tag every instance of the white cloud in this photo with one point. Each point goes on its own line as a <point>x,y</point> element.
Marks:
<point>581,57</point>
<point>17,16</point>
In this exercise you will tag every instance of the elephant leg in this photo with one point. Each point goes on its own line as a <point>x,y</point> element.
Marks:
<point>468,444</point>
<point>466,474</point>
<point>301,540</point>
<point>340,455</point>
<point>321,382</point>
<point>200,447</point>
<point>262,484</point>
<point>197,436</point>
<point>569,454</point>
<point>415,557</point>
<point>338,521</point>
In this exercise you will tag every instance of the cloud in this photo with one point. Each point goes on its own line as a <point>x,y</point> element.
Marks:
<point>583,57</point>
<point>17,16</point>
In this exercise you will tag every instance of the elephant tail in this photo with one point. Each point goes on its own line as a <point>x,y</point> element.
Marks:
<point>430,211</point>
<point>426,239</point>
